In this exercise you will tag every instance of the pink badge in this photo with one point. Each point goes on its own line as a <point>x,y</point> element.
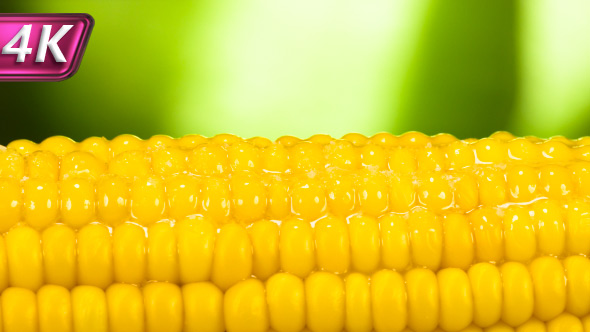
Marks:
<point>42,47</point>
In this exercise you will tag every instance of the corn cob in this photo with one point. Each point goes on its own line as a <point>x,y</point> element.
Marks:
<point>532,299</point>
<point>327,215</point>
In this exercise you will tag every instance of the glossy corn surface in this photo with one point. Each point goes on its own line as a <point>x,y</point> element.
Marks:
<point>383,233</point>
<point>420,300</point>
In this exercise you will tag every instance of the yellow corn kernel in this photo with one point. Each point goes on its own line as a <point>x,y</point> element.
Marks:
<point>423,300</point>
<point>148,200</point>
<point>341,194</point>
<point>129,253</point>
<point>325,298</point>
<point>166,162</point>
<point>524,149</point>
<point>373,193</point>
<point>195,244</point>
<point>264,236</point>
<point>216,201</point>
<point>275,158</point>
<point>42,165</point>
<point>342,155</point>
<point>285,295</point>
<point>225,139</point>
<point>11,203</point>
<point>244,156</point>
<point>19,310</point>
<point>203,308</point>
<point>232,257</point>
<point>356,139</point>
<point>59,145</point>
<point>458,246</point>
<point>486,287</point>
<point>297,248</point>
<point>459,155</point>
<point>492,187</point>
<point>551,234</point>
<point>41,199</point>
<point>248,197</point>
<point>520,242</point>
<point>89,309</point>
<point>384,139</point>
<point>577,227</point>
<point>162,253</point>
<point>415,139</point>
<point>54,306</point>
<point>112,200</point>
<point>490,151</point>
<point>402,193</point>
<point>208,159</point>
<point>191,141</point>
<point>182,191</point>
<point>518,294</point>
<point>95,256</point>
<point>279,204</point>
<point>565,323</point>
<point>522,183</point>
<point>125,308</point>
<point>12,164</point>
<point>373,157</point>
<point>123,143</point>
<point>320,139</point>
<point>425,238</point>
<point>25,258</point>
<point>434,192</point>
<point>487,235</point>
<point>158,142</point>
<point>456,301</point>
<point>365,244</point>
<point>388,301</point>
<point>395,242</point>
<point>332,245</point>
<point>59,255</point>
<point>549,283</point>
<point>98,147</point>
<point>306,157</point>
<point>430,159</point>
<point>163,307</point>
<point>358,303</point>
<point>77,202</point>
<point>532,325</point>
<point>82,165</point>
<point>23,146</point>
<point>577,272</point>
<point>245,307</point>
<point>465,191</point>
<point>402,161</point>
<point>130,164</point>
<point>555,181</point>
<point>308,198</point>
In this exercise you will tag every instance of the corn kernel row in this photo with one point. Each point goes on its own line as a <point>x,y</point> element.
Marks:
<point>246,197</point>
<point>213,156</point>
<point>192,250</point>
<point>495,298</point>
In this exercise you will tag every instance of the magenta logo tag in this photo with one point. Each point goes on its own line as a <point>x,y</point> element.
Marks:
<point>42,47</point>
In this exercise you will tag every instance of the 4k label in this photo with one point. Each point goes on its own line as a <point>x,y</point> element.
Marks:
<point>42,47</point>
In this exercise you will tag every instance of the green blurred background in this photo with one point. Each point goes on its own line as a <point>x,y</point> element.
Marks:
<point>299,67</point>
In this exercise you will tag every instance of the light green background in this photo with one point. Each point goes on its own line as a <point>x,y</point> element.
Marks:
<point>285,67</point>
